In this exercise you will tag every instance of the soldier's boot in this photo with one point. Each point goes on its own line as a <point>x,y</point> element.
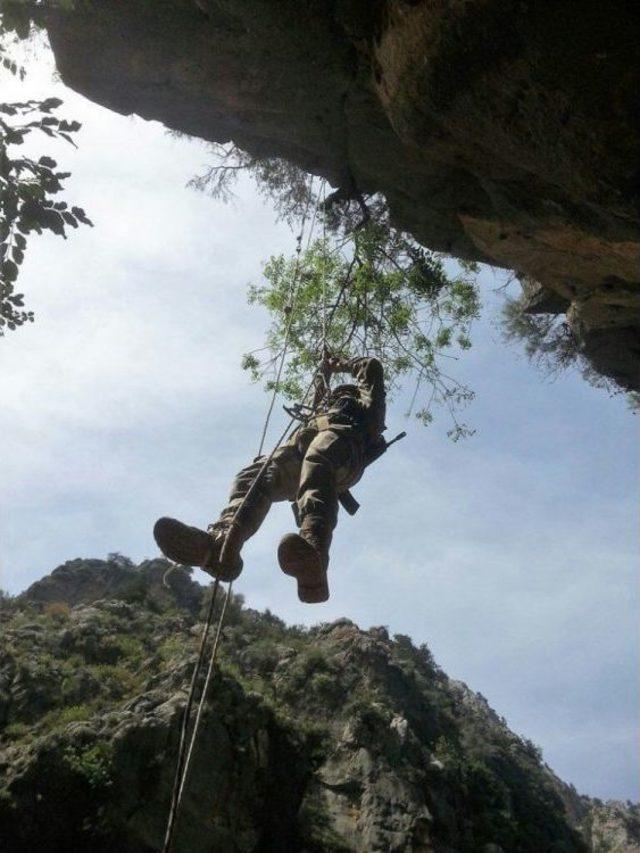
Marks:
<point>191,546</point>
<point>302,556</point>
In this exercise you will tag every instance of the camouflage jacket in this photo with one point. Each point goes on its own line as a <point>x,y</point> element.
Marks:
<point>363,405</point>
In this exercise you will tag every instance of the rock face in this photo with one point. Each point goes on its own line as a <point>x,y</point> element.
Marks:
<point>501,131</point>
<point>327,739</point>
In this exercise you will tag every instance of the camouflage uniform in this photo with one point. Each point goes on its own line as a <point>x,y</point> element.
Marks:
<point>321,459</point>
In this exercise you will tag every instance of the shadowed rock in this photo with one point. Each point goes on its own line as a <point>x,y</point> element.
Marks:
<point>501,131</point>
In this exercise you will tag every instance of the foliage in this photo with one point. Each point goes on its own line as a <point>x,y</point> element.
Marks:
<point>316,685</point>
<point>115,680</point>
<point>58,718</point>
<point>548,341</point>
<point>91,762</point>
<point>74,714</point>
<point>16,731</point>
<point>316,829</point>
<point>131,648</point>
<point>7,602</point>
<point>57,610</point>
<point>379,294</point>
<point>552,345</point>
<point>282,183</point>
<point>28,184</point>
<point>385,295</point>
<point>175,647</point>
<point>262,657</point>
<point>118,559</point>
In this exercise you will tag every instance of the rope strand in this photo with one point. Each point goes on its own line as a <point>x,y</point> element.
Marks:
<point>185,753</point>
<point>324,268</point>
<point>178,778</point>
<point>292,295</point>
<point>205,690</point>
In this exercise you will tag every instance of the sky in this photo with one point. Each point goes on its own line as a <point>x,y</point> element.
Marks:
<point>512,554</point>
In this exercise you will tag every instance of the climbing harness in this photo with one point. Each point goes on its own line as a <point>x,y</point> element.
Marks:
<point>299,412</point>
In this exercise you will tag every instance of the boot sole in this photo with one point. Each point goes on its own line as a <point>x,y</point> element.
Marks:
<point>300,561</point>
<point>191,546</point>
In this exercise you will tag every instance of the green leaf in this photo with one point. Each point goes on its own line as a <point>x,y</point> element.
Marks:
<point>50,104</point>
<point>9,271</point>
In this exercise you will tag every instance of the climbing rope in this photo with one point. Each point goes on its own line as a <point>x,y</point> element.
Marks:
<point>205,690</point>
<point>178,781</point>
<point>185,751</point>
<point>267,461</point>
<point>324,269</point>
<point>289,308</point>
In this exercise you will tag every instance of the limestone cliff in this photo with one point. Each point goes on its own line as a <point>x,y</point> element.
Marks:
<point>501,130</point>
<point>322,739</point>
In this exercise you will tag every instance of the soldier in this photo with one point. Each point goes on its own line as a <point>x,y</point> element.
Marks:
<point>322,459</point>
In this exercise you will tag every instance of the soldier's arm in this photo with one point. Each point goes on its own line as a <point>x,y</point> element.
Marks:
<point>369,375</point>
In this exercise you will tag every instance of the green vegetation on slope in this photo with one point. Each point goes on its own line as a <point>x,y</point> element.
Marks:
<point>321,739</point>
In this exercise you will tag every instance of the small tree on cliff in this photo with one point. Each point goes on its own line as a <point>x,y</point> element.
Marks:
<point>552,346</point>
<point>386,295</point>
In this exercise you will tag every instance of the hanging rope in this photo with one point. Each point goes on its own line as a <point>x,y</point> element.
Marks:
<point>203,695</point>
<point>289,309</point>
<point>324,268</point>
<point>179,774</point>
<point>185,752</point>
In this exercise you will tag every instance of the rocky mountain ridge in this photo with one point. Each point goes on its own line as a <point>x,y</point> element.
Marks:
<point>322,739</point>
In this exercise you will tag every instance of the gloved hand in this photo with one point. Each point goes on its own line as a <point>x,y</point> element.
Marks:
<point>334,364</point>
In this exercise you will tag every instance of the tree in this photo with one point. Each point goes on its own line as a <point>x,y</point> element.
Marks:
<point>380,295</point>
<point>27,185</point>
<point>552,345</point>
<point>364,287</point>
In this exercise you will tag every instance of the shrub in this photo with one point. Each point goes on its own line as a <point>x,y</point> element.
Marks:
<point>73,714</point>
<point>314,661</point>
<point>327,687</point>
<point>57,610</point>
<point>16,731</point>
<point>262,657</point>
<point>60,717</point>
<point>174,647</point>
<point>117,680</point>
<point>93,763</point>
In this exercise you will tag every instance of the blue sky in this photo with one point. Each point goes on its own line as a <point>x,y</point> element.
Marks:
<point>512,555</point>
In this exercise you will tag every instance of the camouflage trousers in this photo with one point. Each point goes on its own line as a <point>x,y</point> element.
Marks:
<point>312,468</point>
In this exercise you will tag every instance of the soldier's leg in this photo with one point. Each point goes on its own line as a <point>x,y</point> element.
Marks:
<point>279,482</point>
<point>317,494</point>
<point>195,547</point>
<point>330,463</point>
